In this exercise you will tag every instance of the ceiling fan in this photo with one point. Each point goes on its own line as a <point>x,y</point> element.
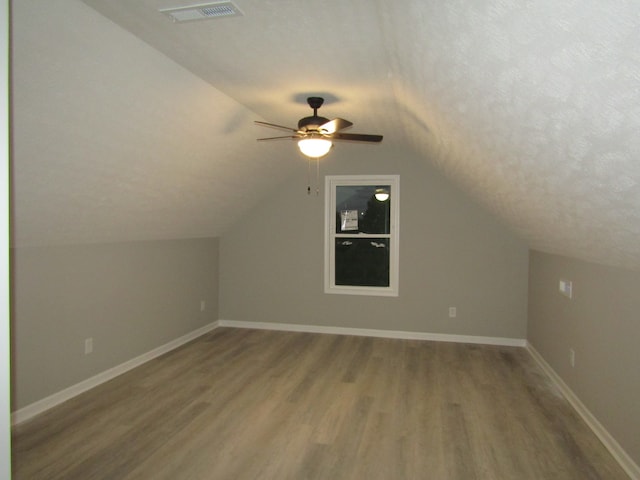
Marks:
<point>315,134</point>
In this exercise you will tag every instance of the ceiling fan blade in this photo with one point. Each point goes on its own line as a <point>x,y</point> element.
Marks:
<point>273,125</point>
<point>334,125</point>
<point>356,137</point>
<point>278,138</point>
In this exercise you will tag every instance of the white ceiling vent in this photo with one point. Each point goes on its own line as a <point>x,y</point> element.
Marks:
<point>202,11</point>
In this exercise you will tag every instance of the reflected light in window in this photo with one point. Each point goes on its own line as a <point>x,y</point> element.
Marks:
<point>382,194</point>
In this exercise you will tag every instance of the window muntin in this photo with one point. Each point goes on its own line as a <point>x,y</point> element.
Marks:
<point>361,244</point>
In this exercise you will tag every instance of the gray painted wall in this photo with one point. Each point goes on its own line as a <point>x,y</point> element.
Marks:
<point>452,253</point>
<point>130,297</point>
<point>601,323</point>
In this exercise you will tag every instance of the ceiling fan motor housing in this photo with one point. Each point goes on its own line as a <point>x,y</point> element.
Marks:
<point>311,123</point>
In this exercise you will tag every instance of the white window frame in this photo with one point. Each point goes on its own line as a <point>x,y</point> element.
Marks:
<point>333,181</point>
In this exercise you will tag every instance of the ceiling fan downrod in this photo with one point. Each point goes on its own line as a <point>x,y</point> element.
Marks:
<point>315,103</point>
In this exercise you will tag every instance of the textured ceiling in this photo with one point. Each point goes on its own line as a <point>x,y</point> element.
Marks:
<point>531,107</point>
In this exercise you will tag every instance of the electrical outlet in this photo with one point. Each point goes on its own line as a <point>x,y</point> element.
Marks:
<point>88,345</point>
<point>452,312</point>
<point>202,305</point>
<point>572,357</point>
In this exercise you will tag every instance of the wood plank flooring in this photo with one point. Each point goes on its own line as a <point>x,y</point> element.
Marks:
<point>252,404</point>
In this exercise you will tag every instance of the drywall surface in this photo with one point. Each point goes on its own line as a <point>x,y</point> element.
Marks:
<point>113,141</point>
<point>452,253</point>
<point>128,297</point>
<point>601,324</point>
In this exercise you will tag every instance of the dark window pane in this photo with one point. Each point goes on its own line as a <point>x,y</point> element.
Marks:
<point>362,262</point>
<point>359,211</point>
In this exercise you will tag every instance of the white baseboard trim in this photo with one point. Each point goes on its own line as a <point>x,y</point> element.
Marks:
<point>366,332</point>
<point>625,461</point>
<point>46,403</point>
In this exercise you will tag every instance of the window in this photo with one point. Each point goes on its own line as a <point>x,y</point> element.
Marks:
<point>361,234</point>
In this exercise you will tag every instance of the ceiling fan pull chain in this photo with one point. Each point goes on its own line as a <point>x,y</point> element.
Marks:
<point>308,175</point>
<point>317,176</point>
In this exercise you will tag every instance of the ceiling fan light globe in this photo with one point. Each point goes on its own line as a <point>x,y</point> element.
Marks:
<point>314,147</point>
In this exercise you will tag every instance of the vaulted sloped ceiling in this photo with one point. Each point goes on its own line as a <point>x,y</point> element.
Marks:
<point>531,107</point>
